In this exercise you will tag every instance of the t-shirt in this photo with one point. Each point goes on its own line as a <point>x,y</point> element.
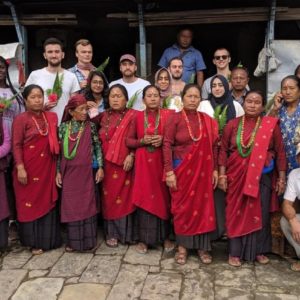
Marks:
<point>45,80</point>
<point>293,186</point>
<point>206,107</point>
<point>132,88</point>
<point>192,61</point>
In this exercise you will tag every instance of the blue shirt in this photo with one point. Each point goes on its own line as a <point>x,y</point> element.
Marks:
<point>192,61</point>
<point>80,77</point>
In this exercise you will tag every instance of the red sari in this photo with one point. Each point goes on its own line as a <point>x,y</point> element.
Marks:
<point>38,154</point>
<point>192,203</point>
<point>243,210</point>
<point>117,184</point>
<point>149,191</point>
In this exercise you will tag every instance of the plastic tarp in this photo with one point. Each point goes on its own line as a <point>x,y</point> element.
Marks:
<point>13,53</point>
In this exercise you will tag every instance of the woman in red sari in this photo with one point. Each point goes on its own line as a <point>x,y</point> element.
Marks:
<point>150,194</point>
<point>117,206</point>
<point>251,146</point>
<point>190,153</point>
<point>35,149</point>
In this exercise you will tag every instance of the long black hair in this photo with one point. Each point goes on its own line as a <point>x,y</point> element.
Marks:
<point>9,84</point>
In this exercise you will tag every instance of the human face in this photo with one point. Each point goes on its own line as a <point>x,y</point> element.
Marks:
<point>84,54</point>
<point>253,105</point>
<point>116,99</point>
<point>2,71</point>
<point>184,39</point>
<point>217,88</point>
<point>128,68</point>
<point>290,91</point>
<point>163,80</point>
<point>79,113</point>
<point>176,69</point>
<point>97,84</point>
<point>35,100</point>
<point>54,55</point>
<point>152,98</point>
<point>239,80</point>
<point>191,99</point>
<point>221,59</point>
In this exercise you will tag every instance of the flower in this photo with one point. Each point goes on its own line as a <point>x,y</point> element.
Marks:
<point>53,97</point>
<point>55,93</point>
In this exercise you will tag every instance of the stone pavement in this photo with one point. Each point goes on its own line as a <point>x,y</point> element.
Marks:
<point>121,273</point>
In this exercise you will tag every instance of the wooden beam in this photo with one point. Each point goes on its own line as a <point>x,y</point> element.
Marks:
<point>40,19</point>
<point>234,15</point>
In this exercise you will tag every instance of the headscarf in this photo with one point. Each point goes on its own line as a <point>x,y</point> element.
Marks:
<point>75,101</point>
<point>168,92</point>
<point>225,100</point>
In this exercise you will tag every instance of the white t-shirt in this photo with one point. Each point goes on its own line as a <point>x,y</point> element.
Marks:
<point>206,107</point>
<point>132,88</point>
<point>45,80</point>
<point>293,186</point>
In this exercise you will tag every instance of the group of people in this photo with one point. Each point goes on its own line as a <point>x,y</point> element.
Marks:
<point>151,158</point>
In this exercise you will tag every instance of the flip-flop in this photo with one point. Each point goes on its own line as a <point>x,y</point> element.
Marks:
<point>181,257</point>
<point>234,261</point>
<point>295,266</point>
<point>205,257</point>
<point>37,251</point>
<point>262,259</point>
<point>141,248</point>
<point>112,243</point>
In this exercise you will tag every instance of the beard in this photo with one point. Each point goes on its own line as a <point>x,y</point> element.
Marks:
<point>177,77</point>
<point>54,64</point>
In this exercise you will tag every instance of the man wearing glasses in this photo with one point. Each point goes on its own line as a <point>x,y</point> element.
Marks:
<point>221,60</point>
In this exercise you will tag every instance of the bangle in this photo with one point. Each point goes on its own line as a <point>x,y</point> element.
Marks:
<point>222,176</point>
<point>170,174</point>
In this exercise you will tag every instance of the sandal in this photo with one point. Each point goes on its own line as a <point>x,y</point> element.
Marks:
<point>180,257</point>
<point>168,246</point>
<point>35,251</point>
<point>205,257</point>
<point>69,249</point>
<point>262,259</point>
<point>112,243</point>
<point>141,248</point>
<point>234,261</point>
<point>295,266</point>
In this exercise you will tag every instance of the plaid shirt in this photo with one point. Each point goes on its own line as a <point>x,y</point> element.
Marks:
<point>80,77</point>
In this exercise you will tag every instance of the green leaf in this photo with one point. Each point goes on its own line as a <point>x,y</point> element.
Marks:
<point>57,86</point>
<point>166,102</point>
<point>240,65</point>
<point>133,98</point>
<point>103,65</point>
<point>192,78</point>
<point>221,117</point>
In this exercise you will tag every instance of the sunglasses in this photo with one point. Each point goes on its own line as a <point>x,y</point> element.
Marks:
<point>218,57</point>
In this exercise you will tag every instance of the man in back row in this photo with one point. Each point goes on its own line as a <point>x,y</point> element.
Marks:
<point>84,54</point>
<point>193,63</point>
<point>133,84</point>
<point>45,77</point>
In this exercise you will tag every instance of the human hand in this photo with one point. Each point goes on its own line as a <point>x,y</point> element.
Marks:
<point>58,179</point>
<point>22,176</point>
<point>128,162</point>
<point>99,175</point>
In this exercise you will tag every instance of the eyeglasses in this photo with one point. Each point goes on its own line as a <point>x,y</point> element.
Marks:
<point>218,57</point>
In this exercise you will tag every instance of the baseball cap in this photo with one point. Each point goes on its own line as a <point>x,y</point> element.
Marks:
<point>128,57</point>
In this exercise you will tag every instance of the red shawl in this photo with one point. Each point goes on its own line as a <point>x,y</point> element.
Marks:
<point>117,150</point>
<point>153,197</point>
<point>243,210</point>
<point>192,204</point>
<point>52,132</point>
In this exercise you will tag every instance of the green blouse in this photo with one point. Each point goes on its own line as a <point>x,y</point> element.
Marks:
<point>96,145</point>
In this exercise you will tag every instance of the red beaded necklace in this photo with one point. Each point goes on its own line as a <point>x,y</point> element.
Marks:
<point>195,139</point>
<point>41,131</point>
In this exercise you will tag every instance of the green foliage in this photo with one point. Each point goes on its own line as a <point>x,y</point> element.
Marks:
<point>103,65</point>
<point>57,86</point>
<point>166,102</point>
<point>221,117</point>
<point>192,78</point>
<point>133,99</point>
<point>6,103</point>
